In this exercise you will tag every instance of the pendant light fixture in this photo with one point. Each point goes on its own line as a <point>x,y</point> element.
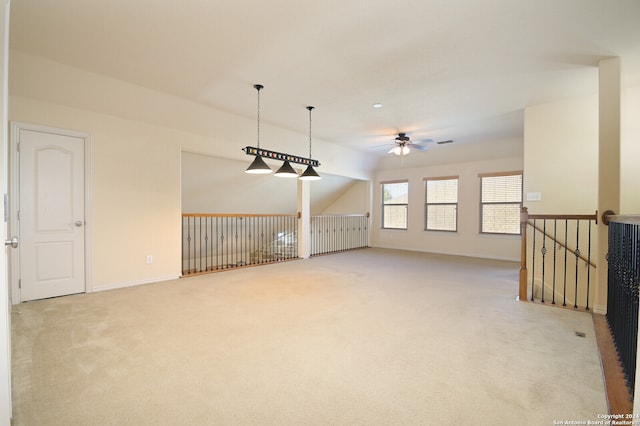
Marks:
<point>286,171</point>
<point>258,166</point>
<point>310,173</point>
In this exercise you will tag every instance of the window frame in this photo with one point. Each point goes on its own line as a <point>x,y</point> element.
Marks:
<point>482,204</point>
<point>383,204</point>
<point>427,203</point>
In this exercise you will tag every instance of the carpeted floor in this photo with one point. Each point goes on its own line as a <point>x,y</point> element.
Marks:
<point>369,337</point>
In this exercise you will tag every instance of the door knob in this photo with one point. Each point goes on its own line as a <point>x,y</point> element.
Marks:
<point>12,242</point>
<point>78,223</point>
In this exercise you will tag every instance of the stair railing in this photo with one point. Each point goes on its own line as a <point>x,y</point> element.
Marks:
<point>622,292</point>
<point>556,262</point>
<point>333,233</point>
<point>214,242</point>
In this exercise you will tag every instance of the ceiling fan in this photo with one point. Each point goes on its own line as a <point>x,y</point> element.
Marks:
<point>402,145</point>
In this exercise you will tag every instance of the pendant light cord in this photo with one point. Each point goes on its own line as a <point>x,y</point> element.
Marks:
<point>258,87</point>
<point>309,108</point>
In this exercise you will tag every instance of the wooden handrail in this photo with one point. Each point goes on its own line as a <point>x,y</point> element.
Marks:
<point>563,216</point>
<point>235,215</point>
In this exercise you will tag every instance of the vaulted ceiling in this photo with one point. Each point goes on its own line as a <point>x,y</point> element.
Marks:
<point>442,69</point>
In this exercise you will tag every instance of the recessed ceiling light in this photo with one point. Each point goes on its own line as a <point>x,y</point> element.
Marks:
<point>377,105</point>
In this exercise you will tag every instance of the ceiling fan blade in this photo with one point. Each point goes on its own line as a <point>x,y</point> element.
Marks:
<point>422,141</point>
<point>419,147</point>
<point>386,145</point>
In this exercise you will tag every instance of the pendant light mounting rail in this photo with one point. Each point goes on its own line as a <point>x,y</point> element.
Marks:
<point>265,153</point>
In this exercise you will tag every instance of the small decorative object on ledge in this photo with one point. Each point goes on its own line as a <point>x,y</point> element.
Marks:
<point>258,166</point>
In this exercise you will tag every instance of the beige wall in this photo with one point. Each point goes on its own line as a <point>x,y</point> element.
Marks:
<point>467,241</point>
<point>220,134</point>
<point>138,137</point>
<point>135,193</point>
<point>5,317</point>
<point>561,159</point>
<point>218,185</point>
<point>354,199</point>
<point>630,151</point>
<point>561,156</point>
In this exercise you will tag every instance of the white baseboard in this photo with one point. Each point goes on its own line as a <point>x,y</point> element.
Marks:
<point>125,284</point>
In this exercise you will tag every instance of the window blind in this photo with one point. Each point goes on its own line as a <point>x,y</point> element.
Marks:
<point>501,200</point>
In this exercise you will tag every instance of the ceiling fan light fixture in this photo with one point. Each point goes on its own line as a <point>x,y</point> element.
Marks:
<point>399,150</point>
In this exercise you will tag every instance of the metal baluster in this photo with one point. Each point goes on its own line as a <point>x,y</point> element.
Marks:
<point>294,226</point>
<point>566,250</point>
<point>555,249</point>
<point>544,254</point>
<point>236,243</point>
<point>188,249</point>
<point>575,294</point>
<point>589,266</point>
<point>635,273</point>
<point>254,239</point>
<point>206,243</point>
<point>533,263</point>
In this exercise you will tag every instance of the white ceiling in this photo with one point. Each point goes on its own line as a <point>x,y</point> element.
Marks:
<point>443,69</point>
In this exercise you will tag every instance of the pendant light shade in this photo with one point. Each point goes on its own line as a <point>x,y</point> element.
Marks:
<point>258,166</point>
<point>310,173</point>
<point>286,171</point>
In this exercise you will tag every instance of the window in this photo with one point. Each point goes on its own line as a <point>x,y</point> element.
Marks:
<point>395,203</point>
<point>501,201</point>
<point>441,197</point>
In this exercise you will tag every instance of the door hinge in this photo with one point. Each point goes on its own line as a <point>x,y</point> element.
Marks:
<point>20,283</point>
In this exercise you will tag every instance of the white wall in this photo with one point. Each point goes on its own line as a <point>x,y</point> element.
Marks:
<point>467,241</point>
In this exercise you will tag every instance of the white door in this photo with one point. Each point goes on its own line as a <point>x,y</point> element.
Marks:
<point>51,214</point>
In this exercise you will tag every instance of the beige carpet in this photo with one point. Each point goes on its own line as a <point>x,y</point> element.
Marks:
<point>369,337</point>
